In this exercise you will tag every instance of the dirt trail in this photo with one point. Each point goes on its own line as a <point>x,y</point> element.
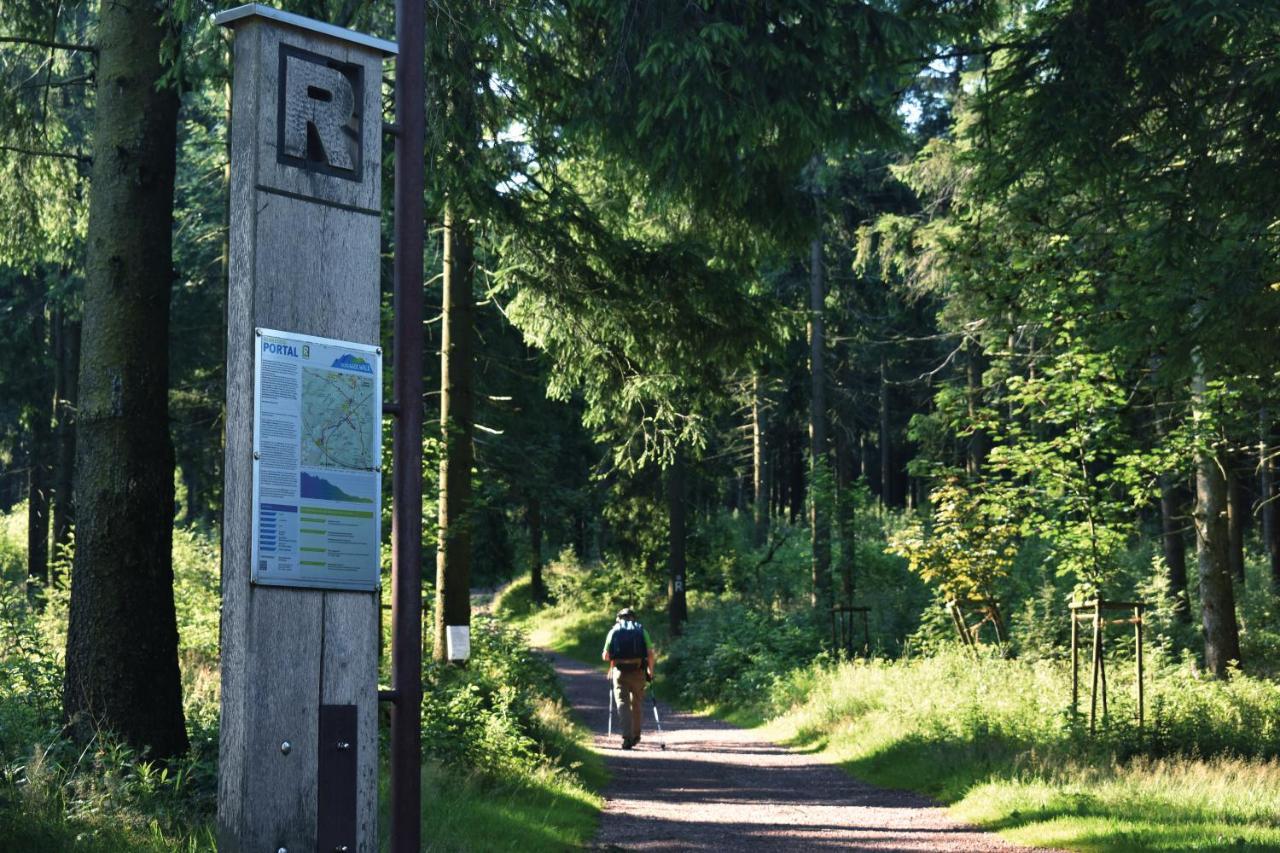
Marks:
<point>717,787</point>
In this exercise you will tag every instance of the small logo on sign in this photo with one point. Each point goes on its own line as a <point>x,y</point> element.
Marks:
<point>319,115</point>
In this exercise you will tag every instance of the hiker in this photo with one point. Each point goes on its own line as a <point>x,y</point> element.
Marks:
<point>631,658</point>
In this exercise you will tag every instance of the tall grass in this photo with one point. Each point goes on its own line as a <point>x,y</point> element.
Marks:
<point>506,768</point>
<point>993,737</point>
<point>996,739</point>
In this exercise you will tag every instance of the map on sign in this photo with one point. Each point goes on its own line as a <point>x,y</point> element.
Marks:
<point>338,420</point>
<point>317,448</point>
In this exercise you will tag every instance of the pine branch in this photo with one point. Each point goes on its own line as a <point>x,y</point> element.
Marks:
<point>32,152</point>
<point>58,84</point>
<point>53,45</point>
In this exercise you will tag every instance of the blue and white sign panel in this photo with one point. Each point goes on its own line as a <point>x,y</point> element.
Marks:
<point>317,462</point>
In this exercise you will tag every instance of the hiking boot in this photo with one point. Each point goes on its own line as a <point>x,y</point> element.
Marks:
<point>627,743</point>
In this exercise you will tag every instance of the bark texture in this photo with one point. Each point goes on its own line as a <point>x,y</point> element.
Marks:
<point>1217,599</point>
<point>846,520</point>
<point>886,446</point>
<point>1237,520</point>
<point>1174,547</point>
<point>759,463</point>
<point>39,470</point>
<point>979,442</point>
<point>122,642</point>
<point>533,514</point>
<point>1267,487</point>
<point>677,607</point>
<point>819,466</point>
<point>66,396</point>
<point>457,425</point>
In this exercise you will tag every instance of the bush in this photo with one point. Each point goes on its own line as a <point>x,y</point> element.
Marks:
<point>732,651</point>
<point>491,717</point>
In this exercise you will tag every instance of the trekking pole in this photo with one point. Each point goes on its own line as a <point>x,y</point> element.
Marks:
<point>662,738</point>
<point>610,710</point>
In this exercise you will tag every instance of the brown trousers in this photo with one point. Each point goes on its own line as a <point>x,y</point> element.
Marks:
<point>628,692</point>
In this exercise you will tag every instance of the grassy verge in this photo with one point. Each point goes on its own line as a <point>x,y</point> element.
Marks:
<point>991,738</point>
<point>551,809</point>
<point>506,767</point>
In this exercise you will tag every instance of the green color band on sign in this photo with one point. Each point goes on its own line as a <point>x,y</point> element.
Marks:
<point>342,513</point>
<point>306,530</point>
<point>316,550</point>
<point>310,563</point>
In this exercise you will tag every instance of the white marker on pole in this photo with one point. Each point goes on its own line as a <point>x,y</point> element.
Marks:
<point>458,642</point>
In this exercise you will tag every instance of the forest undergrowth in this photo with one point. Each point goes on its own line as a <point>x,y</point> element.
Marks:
<point>989,733</point>
<point>505,767</point>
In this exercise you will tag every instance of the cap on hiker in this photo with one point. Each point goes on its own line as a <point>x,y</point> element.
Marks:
<point>626,613</point>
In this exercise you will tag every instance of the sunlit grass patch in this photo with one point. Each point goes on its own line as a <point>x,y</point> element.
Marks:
<point>1170,804</point>
<point>993,739</point>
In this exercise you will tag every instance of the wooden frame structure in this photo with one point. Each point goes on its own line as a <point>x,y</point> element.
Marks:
<point>962,610</point>
<point>1094,611</point>
<point>842,629</point>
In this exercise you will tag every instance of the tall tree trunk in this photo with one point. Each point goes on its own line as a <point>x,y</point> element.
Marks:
<point>846,520</point>
<point>1237,518</point>
<point>1267,484</point>
<point>67,351</point>
<point>1175,554</point>
<point>192,480</point>
<point>796,489</point>
<point>979,441</point>
<point>886,448</point>
<point>677,606</point>
<point>759,475</point>
<point>457,425</point>
<point>819,466</point>
<point>1217,599</point>
<point>41,453</point>
<point>533,514</point>
<point>122,640</point>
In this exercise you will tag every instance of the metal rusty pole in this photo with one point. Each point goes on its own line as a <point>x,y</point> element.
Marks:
<point>406,514</point>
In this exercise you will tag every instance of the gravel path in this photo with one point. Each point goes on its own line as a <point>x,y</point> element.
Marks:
<point>717,787</point>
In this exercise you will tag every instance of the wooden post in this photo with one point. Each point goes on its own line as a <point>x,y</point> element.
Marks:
<point>1097,664</point>
<point>1137,631</point>
<point>299,666</point>
<point>1075,661</point>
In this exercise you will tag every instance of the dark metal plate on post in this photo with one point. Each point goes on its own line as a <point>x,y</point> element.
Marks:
<point>336,779</point>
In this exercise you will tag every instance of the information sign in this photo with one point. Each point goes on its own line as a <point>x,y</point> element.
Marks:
<point>317,444</point>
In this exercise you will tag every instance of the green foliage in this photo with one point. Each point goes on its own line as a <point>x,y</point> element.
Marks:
<point>503,757</point>
<point>733,653</point>
<point>605,587</point>
<point>505,766</point>
<point>55,794</point>
<point>967,548</point>
<point>485,717</point>
<point>992,735</point>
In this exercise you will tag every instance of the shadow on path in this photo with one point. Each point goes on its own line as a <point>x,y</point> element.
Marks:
<point>718,787</point>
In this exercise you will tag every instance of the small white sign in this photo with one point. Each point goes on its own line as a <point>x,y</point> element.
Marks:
<point>458,642</point>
